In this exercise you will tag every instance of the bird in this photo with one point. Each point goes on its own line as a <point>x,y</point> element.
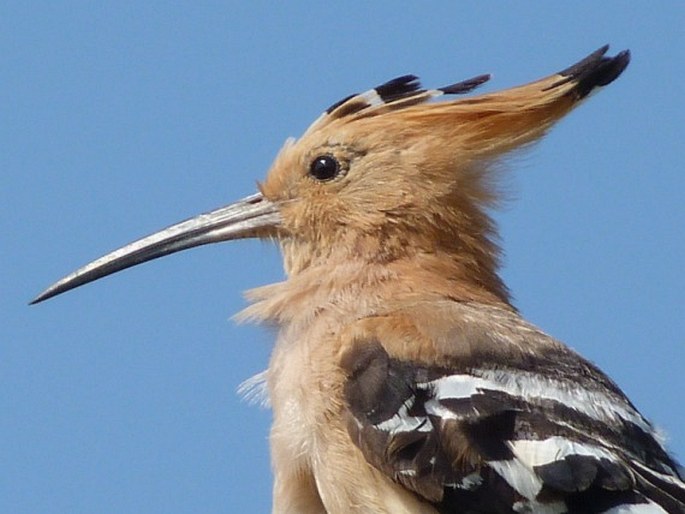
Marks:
<point>403,379</point>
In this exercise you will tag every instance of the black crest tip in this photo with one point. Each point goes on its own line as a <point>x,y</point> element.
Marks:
<point>398,88</point>
<point>465,86</point>
<point>594,71</point>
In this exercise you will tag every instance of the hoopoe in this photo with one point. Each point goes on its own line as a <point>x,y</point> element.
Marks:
<point>403,380</point>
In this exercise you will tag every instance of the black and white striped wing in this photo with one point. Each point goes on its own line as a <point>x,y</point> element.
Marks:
<point>552,436</point>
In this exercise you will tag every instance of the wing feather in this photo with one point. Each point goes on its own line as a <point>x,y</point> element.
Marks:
<point>494,439</point>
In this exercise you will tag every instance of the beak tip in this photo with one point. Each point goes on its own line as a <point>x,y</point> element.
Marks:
<point>45,295</point>
<point>61,286</point>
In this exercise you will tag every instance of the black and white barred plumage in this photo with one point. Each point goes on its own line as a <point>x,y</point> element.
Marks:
<point>539,432</point>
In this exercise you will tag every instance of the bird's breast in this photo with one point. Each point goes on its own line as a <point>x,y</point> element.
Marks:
<point>305,388</point>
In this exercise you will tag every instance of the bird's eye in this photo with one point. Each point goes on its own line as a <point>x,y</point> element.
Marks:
<point>324,167</point>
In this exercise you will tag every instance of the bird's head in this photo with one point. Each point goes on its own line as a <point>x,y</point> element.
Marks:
<point>383,176</point>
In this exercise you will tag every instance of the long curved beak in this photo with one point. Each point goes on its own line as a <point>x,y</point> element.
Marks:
<point>253,216</point>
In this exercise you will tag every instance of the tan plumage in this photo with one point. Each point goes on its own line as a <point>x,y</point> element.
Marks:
<point>402,379</point>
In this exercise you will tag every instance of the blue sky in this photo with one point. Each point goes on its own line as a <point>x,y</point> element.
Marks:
<point>120,118</point>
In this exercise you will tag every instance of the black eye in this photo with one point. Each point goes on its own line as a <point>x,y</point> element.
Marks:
<point>324,167</point>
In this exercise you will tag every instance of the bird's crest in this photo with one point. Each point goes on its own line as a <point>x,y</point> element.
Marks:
<point>558,92</point>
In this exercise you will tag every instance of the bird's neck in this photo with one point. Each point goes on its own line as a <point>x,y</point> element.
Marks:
<point>358,288</point>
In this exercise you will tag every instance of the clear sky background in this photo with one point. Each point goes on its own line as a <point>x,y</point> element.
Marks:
<point>119,118</point>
